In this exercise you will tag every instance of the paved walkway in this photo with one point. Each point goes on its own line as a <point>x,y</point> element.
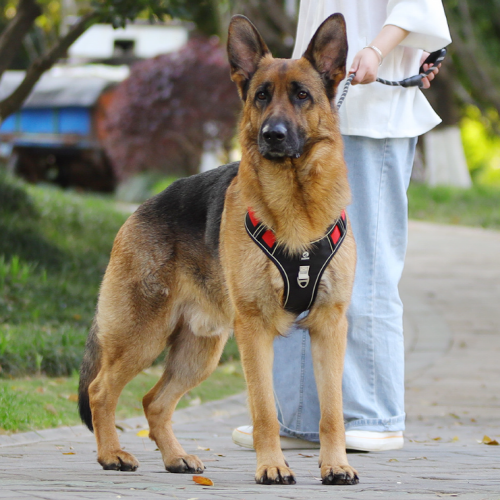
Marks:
<point>451,290</point>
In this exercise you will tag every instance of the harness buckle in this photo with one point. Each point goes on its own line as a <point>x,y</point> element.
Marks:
<point>303,277</point>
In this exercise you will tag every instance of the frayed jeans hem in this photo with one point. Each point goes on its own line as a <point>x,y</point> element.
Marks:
<point>392,424</point>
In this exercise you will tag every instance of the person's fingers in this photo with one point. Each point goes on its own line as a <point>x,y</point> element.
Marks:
<point>426,81</point>
<point>431,75</point>
<point>365,65</point>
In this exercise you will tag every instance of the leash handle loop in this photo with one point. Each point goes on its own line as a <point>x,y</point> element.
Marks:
<point>434,58</point>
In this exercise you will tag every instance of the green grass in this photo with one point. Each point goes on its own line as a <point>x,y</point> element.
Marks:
<point>54,248</point>
<point>42,402</point>
<point>478,206</point>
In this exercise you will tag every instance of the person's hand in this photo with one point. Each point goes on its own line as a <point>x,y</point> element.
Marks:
<point>428,79</point>
<point>365,65</point>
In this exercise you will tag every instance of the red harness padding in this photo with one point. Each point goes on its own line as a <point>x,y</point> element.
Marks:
<point>301,273</point>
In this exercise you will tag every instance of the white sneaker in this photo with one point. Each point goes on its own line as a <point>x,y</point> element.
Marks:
<point>354,440</point>
<point>373,441</point>
<point>243,436</point>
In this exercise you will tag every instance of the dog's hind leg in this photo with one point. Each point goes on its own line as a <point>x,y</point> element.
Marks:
<point>190,360</point>
<point>121,360</point>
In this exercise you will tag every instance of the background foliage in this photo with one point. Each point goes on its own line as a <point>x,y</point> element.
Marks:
<point>53,252</point>
<point>166,112</point>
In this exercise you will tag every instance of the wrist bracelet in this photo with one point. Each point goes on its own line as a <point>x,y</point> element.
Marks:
<point>377,51</point>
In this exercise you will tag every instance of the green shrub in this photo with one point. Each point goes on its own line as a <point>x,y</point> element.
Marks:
<point>477,206</point>
<point>482,145</point>
<point>54,248</point>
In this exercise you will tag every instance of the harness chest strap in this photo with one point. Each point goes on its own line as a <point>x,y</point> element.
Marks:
<point>301,273</point>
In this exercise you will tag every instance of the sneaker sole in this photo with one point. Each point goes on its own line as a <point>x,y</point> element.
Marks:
<point>354,443</point>
<point>374,443</point>
<point>245,439</point>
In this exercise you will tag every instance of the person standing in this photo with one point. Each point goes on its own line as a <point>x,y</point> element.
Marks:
<point>380,126</point>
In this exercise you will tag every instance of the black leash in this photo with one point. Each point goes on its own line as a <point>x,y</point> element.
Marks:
<point>413,81</point>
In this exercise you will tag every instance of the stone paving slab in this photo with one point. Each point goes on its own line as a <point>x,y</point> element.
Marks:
<point>423,469</point>
<point>451,291</point>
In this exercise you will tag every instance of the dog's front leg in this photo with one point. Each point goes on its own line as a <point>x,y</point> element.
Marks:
<point>328,344</point>
<point>256,348</point>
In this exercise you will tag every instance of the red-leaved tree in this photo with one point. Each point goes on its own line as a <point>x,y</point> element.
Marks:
<point>169,109</point>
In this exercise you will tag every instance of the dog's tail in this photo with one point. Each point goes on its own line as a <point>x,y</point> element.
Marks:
<point>91,365</point>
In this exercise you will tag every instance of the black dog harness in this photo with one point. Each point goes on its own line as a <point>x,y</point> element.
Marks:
<point>301,273</point>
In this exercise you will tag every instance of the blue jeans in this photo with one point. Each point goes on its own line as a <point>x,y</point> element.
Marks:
<point>373,381</point>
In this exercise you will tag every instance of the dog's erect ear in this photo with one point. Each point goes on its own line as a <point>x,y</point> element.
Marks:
<point>327,52</point>
<point>245,49</point>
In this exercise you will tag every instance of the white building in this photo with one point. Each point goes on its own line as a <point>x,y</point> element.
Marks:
<point>138,40</point>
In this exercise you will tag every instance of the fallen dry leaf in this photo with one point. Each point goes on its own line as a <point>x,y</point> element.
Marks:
<point>436,439</point>
<point>306,456</point>
<point>69,453</point>
<point>204,449</point>
<point>143,434</point>
<point>454,439</point>
<point>50,408</point>
<point>73,397</point>
<point>205,481</point>
<point>40,390</point>
<point>393,460</point>
<point>489,441</point>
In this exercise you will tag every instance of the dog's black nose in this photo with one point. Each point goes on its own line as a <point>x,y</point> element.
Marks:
<point>274,133</point>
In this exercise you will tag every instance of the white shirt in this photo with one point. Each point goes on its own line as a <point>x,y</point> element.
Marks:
<point>376,110</point>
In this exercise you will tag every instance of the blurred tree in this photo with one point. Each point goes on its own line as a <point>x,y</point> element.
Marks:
<point>475,30</point>
<point>171,109</point>
<point>470,75</point>
<point>20,18</point>
<point>276,21</point>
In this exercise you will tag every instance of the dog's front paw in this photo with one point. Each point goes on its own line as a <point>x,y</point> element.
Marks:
<point>186,464</point>
<point>267,474</point>
<point>339,474</point>
<point>118,460</point>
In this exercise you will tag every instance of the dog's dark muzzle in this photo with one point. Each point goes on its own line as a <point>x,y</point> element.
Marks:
<point>277,140</point>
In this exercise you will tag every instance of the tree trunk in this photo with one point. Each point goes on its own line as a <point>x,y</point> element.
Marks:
<point>444,155</point>
<point>13,35</point>
<point>13,102</point>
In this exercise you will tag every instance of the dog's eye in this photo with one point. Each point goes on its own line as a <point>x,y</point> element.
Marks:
<point>302,95</point>
<point>261,96</point>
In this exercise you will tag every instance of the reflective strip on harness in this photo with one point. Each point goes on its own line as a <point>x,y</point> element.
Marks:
<point>301,273</point>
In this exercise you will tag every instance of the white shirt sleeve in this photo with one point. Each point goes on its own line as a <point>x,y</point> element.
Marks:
<point>424,19</point>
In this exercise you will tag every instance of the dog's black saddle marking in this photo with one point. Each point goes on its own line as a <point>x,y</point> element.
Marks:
<point>301,273</point>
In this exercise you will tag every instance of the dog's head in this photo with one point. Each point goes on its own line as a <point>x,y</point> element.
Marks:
<point>285,100</point>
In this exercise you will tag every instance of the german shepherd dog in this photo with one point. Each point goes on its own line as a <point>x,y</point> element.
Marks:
<point>184,274</point>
